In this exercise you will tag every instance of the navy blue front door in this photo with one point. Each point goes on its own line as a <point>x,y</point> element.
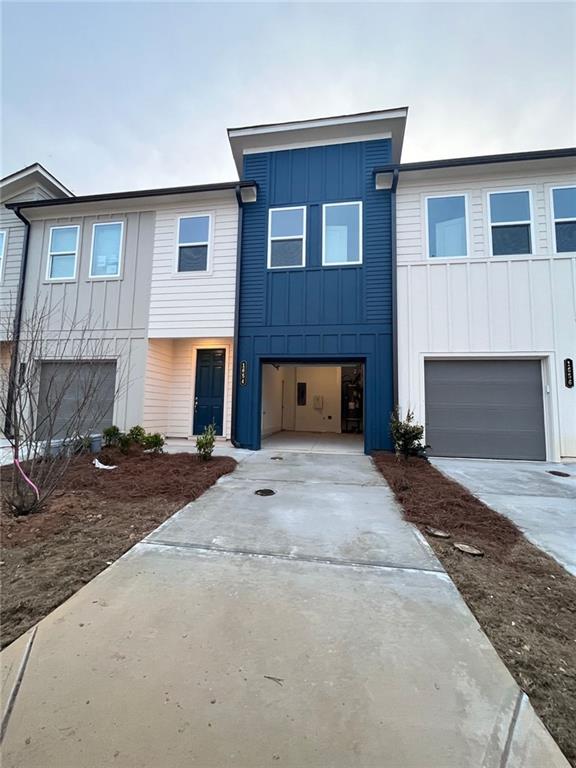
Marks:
<point>209,390</point>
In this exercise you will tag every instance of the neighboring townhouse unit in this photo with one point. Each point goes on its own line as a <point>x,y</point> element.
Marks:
<point>31,183</point>
<point>150,277</point>
<point>486,252</point>
<point>315,318</point>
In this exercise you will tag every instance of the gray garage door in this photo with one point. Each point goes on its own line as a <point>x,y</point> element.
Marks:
<point>75,398</point>
<point>485,409</point>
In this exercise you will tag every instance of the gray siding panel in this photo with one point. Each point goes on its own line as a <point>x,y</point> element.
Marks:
<point>485,409</point>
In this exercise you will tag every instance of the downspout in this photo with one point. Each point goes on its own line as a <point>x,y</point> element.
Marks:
<point>238,193</point>
<point>395,177</point>
<point>17,326</point>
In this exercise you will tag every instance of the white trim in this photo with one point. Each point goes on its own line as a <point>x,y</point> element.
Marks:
<point>208,243</point>
<point>51,253</point>
<point>529,221</point>
<point>36,168</point>
<point>287,237</point>
<point>360,233</point>
<point>210,344</point>
<point>550,404</point>
<point>3,232</point>
<point>466,226</point>
<point>562,219</point>
<point>317,143</point>
<point>117,275</point>
<point>318,123</point>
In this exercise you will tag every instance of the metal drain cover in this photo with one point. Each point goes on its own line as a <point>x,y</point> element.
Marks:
<point>276,458</point>
<point>557,473</point>
<point>264,492</point>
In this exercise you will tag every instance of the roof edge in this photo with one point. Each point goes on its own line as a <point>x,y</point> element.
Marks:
<point>134,194</point>
<point>456,162</point>
<point>32,168</point>
<point>319,121</point>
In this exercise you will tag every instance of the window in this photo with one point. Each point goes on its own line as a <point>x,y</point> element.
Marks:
<point>62,253</point>
<point>106,249</point>
<point>564,213</point>
<point>447,226</point>
<point>286,237</point>
<point>342,233</point>
<point>510,223</point>
<point>2,249</point>
<point>193,239</point>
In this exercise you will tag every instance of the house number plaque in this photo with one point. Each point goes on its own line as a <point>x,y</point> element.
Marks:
<point>243,373</point>
<point>569,372</point>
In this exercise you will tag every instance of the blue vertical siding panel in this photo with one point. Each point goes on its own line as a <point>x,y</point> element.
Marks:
<point>317,313</point>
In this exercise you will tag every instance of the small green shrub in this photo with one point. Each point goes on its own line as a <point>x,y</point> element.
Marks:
<point>407,435</point>
<point>205,442</point>
<point>153,442</point>
<point>137,434</point>
<point>111,435</point>
<point>124,442</point>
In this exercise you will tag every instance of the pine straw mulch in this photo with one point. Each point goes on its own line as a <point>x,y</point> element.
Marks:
<point>523,599</point>
<point>93,518</point>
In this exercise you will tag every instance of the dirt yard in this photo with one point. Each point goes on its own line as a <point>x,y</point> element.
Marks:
<point>93,518</point>
<point>524,601</point>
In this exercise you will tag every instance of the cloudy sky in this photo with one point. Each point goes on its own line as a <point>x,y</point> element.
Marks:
<point>127,95</point>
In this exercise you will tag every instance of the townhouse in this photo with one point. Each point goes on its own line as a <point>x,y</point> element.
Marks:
<point>328,284</point>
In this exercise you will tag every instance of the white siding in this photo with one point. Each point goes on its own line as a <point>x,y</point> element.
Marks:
<point>195,304</point>
<point>411,221</point>
<point>487,306</point>
<point>157,391</point>
<point>170,380</point>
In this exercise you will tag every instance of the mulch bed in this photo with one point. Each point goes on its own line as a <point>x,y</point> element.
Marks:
<point>524,601</point>
<point>92,519</point>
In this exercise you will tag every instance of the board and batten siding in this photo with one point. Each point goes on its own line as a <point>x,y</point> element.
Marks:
<point>170,382</point>
<point>12,263</point>
<point>114,310</point>
<point>195,304</point>
<point>488,306</point>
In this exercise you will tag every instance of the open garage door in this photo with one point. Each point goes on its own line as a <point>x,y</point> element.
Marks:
<point>491,409</point>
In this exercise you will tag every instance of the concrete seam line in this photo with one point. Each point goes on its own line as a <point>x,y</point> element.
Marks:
<point>17,684</point>
<point>511,728</point>
<point>291,558</point>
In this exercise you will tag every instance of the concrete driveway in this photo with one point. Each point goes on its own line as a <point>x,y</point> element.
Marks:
<point>542,505</point>
<point>309,628</point>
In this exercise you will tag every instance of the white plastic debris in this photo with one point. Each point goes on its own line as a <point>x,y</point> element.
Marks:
<point>99,465</point>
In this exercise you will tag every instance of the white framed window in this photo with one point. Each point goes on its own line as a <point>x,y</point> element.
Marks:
<point>447,226</point>
<point>63,252</point>
<point>563,201</point>
<point>510,222</point>
<point>106,253</point>
<point>3,238</point>
<point>193,243</point>
<point>341,234</point>
<point>286,237</point>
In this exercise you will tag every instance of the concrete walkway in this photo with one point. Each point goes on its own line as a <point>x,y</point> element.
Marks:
<point>542,505</point>
<point>309,628</point>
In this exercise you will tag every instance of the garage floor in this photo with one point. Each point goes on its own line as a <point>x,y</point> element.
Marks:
<point>542,505</point>
<point>314,442</point>
<point>310,628</point>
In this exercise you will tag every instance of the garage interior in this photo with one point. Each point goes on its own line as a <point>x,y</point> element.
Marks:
<point>313,406</point>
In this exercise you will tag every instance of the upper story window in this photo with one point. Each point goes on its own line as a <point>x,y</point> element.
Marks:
<point>286,237</point>
<point>341,233</point>
<point>62,253</point>
<point>106,249</point>
<point>2,249</point>
<point>447,231</point>
<point>193,240</point>
<point>564,212</point>
<point>510,223</point>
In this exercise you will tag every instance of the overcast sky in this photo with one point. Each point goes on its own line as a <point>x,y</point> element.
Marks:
<point>127,95</point>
